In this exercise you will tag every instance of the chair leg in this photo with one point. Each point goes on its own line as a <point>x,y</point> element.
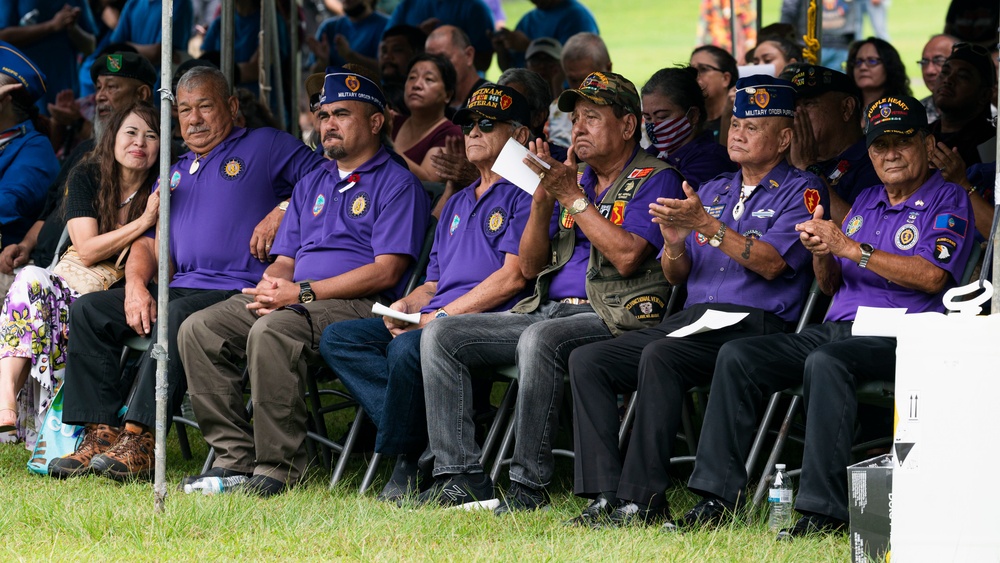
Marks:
<point>182,440</point>
<point>345,453</point>
<point>505,447</point>
<point>765,424</point>
<point>626,426</point>
<point>779,444</point>
<point>369,477</point>
<point>499,421</point>
<point>318,422</point>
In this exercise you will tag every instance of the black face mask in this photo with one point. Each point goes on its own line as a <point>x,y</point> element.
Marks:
<point>355,11</point>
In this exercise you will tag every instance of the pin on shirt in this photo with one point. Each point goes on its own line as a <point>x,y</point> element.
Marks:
<point>352,180</point>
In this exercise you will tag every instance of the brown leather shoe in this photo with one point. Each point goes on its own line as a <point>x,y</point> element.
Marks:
<point>130,458</point>
<point>97,439</point>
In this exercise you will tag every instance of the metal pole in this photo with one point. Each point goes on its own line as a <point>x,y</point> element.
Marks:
<point>160,349</point>
<point>995,303</point>
<point>227,57</point>
<point>264,61</point>
<point>296,70</point>
<point>732,28</point>
<point>276,76</point>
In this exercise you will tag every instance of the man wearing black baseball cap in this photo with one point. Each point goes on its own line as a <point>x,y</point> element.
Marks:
<point>827,139</point>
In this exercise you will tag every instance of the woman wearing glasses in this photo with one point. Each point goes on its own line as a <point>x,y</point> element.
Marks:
<point>876,69</point>
<point>717,74</point>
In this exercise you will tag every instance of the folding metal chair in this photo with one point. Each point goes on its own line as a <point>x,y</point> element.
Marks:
<point>345,450</point>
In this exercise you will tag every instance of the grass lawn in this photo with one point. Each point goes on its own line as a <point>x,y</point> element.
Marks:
<point>646,35</point>
<point>93,518</point>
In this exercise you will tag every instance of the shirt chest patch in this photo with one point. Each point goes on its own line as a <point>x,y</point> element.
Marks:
<point>233,167</point>
<point>360,205</point>
<point>854,224</point>
<point>496,220</point>
<point>907,237</point>
<point>455,222</point>
<point>715,210</point>
<point>319,204</point>
<point>175,180</point>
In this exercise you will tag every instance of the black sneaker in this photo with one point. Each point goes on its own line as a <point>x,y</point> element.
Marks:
<point>521,498</point>
<point>810,525</point>
<point>596,511</point>
<point>708,513</point>
<point>631,514</point>
<point>461,491</point>
<point>221,472</point>
<point>262,486</point>
<point>403,482</point>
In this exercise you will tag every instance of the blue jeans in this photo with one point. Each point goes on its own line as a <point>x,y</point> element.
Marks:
<point>383,375</point>
<point>540,344</point>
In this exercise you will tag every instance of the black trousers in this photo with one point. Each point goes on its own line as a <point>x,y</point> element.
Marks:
<point>94,393</point>
<point>661,370</point>
<point>829,363</point>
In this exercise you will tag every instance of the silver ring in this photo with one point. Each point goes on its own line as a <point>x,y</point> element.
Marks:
<point>671,219</point>
<point>541,176</point>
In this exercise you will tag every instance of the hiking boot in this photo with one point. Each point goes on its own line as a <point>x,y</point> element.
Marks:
<point>130,458</point>
<point>469,491</point>
<point>521,498</point>
<point>97,439</point>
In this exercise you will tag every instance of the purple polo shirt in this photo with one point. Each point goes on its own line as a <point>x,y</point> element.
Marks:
<point>333,227</point>
<point>214,211</point>
<point>571,279</point>
<point>935,223</point>
<point>473,238</point>
<point>783,198</point>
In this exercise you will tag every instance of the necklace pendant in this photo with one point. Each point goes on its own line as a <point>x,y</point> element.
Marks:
<point>738,209</point>
<point>194,167</point>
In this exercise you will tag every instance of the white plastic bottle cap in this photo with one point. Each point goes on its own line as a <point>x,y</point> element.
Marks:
<point>779,466</point>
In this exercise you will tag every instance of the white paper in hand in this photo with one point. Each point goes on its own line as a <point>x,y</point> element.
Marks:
<point>383,311</point>
<point>711,320</point>
<point>510,164</point>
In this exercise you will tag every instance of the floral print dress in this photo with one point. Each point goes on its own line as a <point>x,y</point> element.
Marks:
<point>35,324</point>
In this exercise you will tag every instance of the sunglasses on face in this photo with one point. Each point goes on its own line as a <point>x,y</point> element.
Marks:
<point>485,125</point>
<point>869,61</point>
<point>936,61</point>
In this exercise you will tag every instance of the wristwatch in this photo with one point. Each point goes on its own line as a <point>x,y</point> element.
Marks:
<point>716,240</point>
<point>283,206</point>
<point>866,254</point>
<point>440,313</point>
<point>306,294</point>
<point>578,206</point>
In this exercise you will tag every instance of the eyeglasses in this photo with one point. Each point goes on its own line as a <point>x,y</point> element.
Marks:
<point>936,61</point>
<point>869,61</point>
<point>704,69</point>
<point>485,125</point>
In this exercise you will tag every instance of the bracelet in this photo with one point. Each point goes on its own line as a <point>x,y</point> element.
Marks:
<point>971,190</point>
<point>672,258</point>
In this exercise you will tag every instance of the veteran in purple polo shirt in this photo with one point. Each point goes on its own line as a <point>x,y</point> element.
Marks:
<point>226,203</point>
<point>352,231</point>
<point>599,220</point>
<point>735,247</point>
<point>902,245</point>
<point>474,267</point>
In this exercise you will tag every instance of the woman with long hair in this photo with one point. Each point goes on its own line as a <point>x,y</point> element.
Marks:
<point>673,113</point>
<point>877,70</point>
<point>108,205</point>
<point>430,83</point>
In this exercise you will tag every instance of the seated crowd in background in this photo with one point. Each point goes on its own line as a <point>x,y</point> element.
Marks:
<point>741,191</point>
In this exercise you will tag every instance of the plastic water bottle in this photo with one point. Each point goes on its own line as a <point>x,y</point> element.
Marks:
<point>215,485</point>
<point>779,497</point>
